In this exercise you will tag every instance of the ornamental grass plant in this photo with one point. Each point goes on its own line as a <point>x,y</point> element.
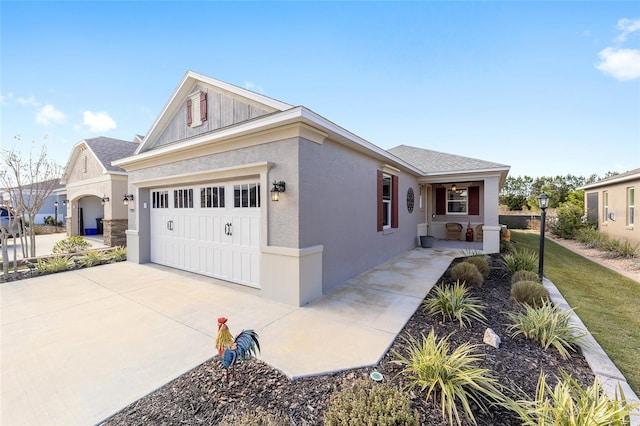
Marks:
<point>520,260</point>
<point>449,377</point>
<point>454,302</point>
<point>530,293</point>
<point>467,273</point>
<point>481,263</point>
<point>523,275</point>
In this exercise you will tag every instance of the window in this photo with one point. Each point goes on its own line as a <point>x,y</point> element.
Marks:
<point>605,206</point>
<point>631,206</point>
<point>246,195</point>
<point>387,201</point>
<point>196,109</point>
<point>457,201</point>
<point>160,199</point>
<point>183,198</point>
<point>212,197</point>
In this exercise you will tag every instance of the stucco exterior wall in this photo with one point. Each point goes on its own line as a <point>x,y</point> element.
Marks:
<point>338,210</point>
<point>618,205</point>
<point>78,172</point>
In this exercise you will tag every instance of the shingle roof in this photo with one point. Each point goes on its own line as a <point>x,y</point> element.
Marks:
<point>622,177</point>
<point>429,161</point>
<point>109,149</point>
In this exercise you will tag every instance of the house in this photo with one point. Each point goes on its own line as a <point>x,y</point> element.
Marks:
<point>238,186</point>
<point>610,204</point>
<point>95,189</point>
<point>51,206</point>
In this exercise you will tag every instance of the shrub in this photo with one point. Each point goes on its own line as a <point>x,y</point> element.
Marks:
<point>53,264</point>
<point>569,221</point>
<point>454,303</point>
<point>451,374</point>
<point>507,247</point>
<point>523,275</point>
<point>367,403</point>
<point>90,258</point>
<point>530,293</point>
<point>547,325</point>
<point>118,254</point>
<point>481,263</point>
<point>72,244</point>
<point>568,403</point>
<point>521,260</point>
<point>467,273</point>
<point>619,248</point>
<point>590,237</point>
<point>257,418</point>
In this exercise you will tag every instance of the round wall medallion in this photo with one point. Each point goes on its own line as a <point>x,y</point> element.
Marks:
<point>410,200</point>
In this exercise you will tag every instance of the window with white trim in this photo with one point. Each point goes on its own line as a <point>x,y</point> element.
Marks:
<point>457,201</point>
<point>246,195</point>
<point>630,205</point>
<point>386,201</point>
<point>212,197</point>
<point>160,199</point>
<point>605,206</point>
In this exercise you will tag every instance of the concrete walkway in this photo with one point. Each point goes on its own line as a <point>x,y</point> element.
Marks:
<point>79,346</point>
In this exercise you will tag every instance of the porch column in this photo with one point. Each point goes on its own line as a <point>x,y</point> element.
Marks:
<point>491,228</point>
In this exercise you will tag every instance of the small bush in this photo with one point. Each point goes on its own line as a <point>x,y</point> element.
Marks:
<point>365,403</point>
<point>547,325</point>
<point>619,248</point>
<point>590,237</point>
<point>523,275</point>
<point>507,247</point>
<point>257,418</point>
<point>451,375</point>
<point>467,273</point>
<point>569,221</point>
<point>53,264</point>
<point>530,293</point>
<point>521,260</point>
<point>118,254</point>
<point>481,263</point>
<point>454,303</point>
<point>72,244</point>
<point>90,258</point>
<point>568,403</point>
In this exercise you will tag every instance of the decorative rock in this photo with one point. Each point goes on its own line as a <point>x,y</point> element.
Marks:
<point>491,338</point>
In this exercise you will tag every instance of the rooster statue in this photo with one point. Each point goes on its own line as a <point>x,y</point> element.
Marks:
<point>235,350</point>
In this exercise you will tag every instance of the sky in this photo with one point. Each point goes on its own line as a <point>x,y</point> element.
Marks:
<point>549,88</point>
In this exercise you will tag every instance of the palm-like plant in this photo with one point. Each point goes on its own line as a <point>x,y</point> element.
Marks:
<point>449,375</point>
<point>454,302</point>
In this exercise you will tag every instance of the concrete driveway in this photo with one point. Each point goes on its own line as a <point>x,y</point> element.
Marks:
<point>79,346</point>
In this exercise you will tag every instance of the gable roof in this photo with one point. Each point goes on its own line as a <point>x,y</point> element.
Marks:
<point>105,150</point>
<point>622,177</point>
<point>183,90</point>
<point>435,162</point>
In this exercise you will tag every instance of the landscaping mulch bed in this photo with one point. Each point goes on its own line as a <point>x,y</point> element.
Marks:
<point>203,395</point>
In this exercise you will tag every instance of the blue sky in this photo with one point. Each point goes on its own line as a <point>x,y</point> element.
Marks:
<point>550,88</point>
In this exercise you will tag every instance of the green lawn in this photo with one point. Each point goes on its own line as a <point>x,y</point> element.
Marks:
<point>608,303</point>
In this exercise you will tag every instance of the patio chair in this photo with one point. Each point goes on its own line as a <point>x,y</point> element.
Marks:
<point>479,232</point>
<point>454,231</point>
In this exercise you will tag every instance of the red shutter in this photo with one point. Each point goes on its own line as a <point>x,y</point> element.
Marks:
<point>203,106</point>
<point>189,118</point>
<point>380,204</point>
<point>441,201</point>
<point>394,201</point>
<point>474,200</point>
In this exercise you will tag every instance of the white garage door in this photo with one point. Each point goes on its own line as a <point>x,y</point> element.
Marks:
<point>211,229</point>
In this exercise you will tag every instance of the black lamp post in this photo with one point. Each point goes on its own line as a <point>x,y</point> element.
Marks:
<point>543,203</point>
<point>55,205</point>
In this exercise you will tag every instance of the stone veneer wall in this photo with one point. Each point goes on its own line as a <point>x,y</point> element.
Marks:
<point>114,232</point>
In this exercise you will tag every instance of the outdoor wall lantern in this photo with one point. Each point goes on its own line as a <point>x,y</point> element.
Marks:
<point>278,187</point>
<point>454,188</point>
<point>126,199</point>
<point>104,200</point>
<point>543,203</point>
<point>65,202</point>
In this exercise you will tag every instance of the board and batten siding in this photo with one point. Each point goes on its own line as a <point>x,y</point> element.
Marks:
<point>223,110</point>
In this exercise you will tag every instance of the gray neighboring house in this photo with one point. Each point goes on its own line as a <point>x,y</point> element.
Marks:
<point>95,189</point>
<point>238,186</point>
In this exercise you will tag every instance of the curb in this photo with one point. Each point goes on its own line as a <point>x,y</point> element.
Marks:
<point>603,368</point>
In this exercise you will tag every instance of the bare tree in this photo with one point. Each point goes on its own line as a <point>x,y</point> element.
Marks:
<point>29,180</point>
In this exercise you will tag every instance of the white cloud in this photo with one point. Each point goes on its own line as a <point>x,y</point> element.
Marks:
<point>253,87</point>
<point>627,26</point>
<point>28,101</point>
<point>98,122</point>
<point>49,114</point>
<point>621,64</point>
<point>5,98</point>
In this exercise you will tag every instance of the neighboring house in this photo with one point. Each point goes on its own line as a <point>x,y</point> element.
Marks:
<point>206,177</point>
<point>95,189</point>
<point>610,203</point>
<point>48,207</point>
